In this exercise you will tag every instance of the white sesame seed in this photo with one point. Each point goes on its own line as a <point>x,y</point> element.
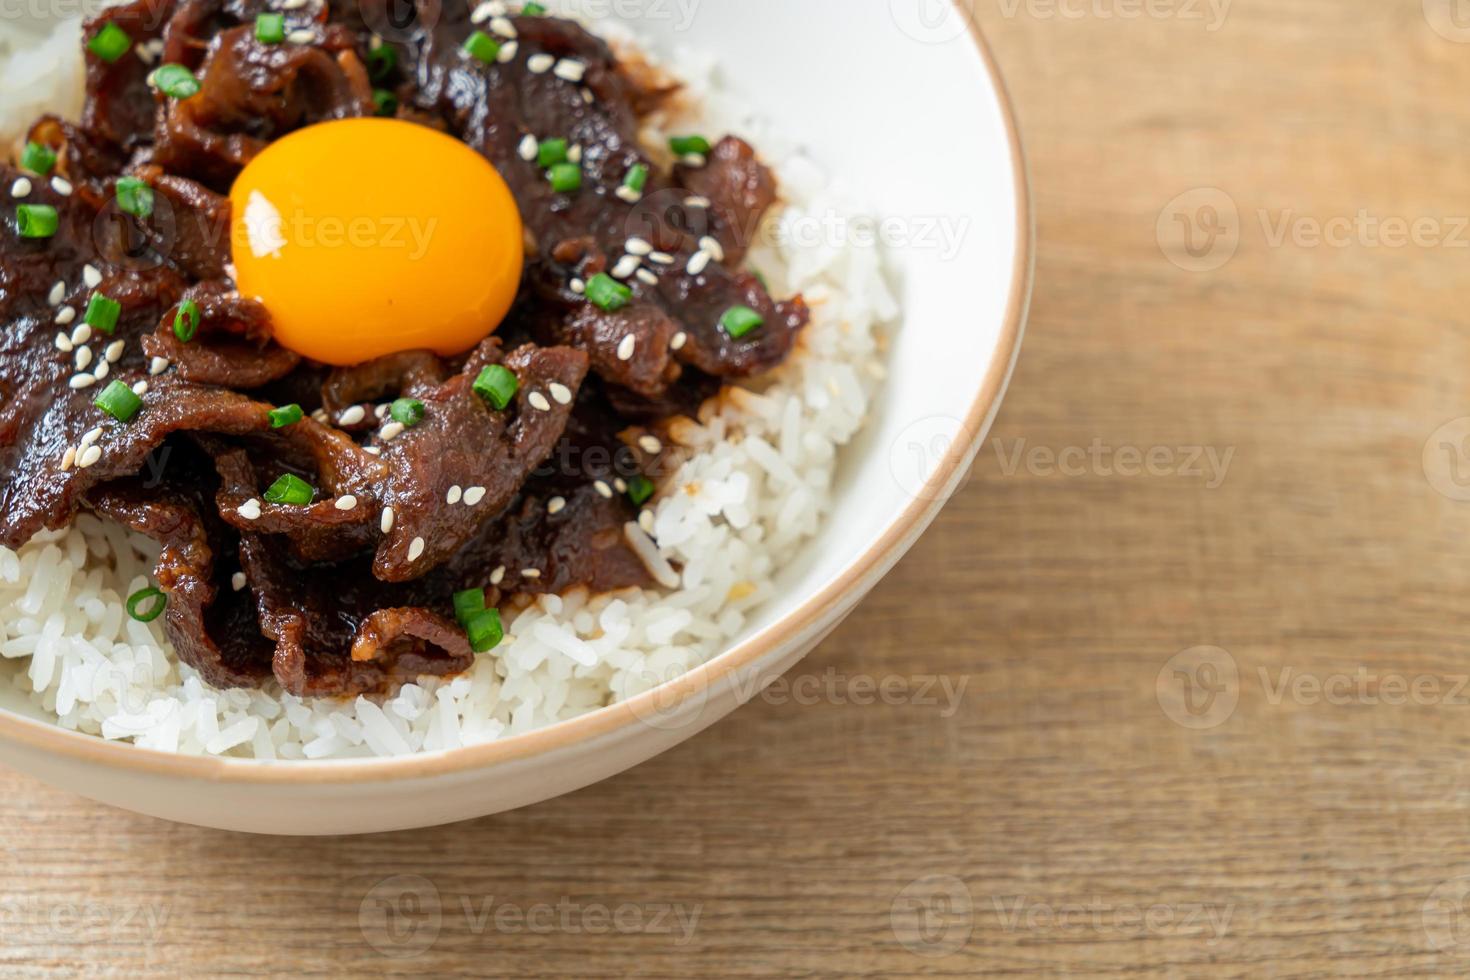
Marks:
<point>140,389</point>
<point>416,548</point>
<point>346,502</point>
<point>696,201</point>
<point>102,370</point>
<point>21,187</point>
<point>530,573</point>
<point>556,505</point>
<point>679,340</point>
<point>626,266</point>
<point>482,13</point>
<point>84,358</point>
<point>301,37</point>
<point>66,315</point>
<point>92,436</point>
<point>114,351</point>
<point>89,457</point>
<point>626,193</point>
<point>373,450</point>
<point>713,247</point>
<point>68,458</point>
<point>352,416</point>
<point>455,495</point>
<point>57,294</point>
<point>63,343</point>
<point>570,70</point>
<point>661,258</point>
<point>575,153</point>
<point>698,262</point>
<point>497,576</point>
<point>158,365</point>
<point>144,55</point>
<point>230,272</point>
<point>540,63</point>
<point>390,431</point>
<point>385,523</point>
<point>250,509</point>
<point>620,485</point>
<point>381,412</point>
<point>637,246</point>
<point>508,52</point>
<point>626,347</point>
<point>650,444</point>
<point>645,521</point>
<point>560,393</point>
<point>587,96</point>
<point>61,186</point>
<point>319,416</point>
<point>529,147</point>
<point>502,26</point>
<point>538,401</point>
<point>578,286</point>
<point>646,276</point>
<point>237,581</point>
<point>80,381</point>
<point>473,496</point>
<point>82,333</point>
<point>602,488</point>
<point>91,276</point>
<point>693,160</point>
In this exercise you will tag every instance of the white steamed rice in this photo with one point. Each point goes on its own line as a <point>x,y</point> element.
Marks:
<point>753,492</point>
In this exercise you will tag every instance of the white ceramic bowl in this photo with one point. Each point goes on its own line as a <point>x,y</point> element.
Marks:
<point>901,99</point>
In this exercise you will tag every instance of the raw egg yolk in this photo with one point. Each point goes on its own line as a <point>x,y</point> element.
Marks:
<point>366,237</point>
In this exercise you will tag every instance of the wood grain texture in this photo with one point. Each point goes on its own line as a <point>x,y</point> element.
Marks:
<point>1059,821</point>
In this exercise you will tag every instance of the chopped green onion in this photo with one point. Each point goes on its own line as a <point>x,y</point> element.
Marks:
<point>381,61</point>
<point>606,293</point>
<point>566,178</point>
<point>385,101</point>
<point>118,400</point>
<point>640,488</point>
<point>637,177</point>
<point>409,411</point>
<point>270,28</point>
<point>468,604</point>
<point>485,631</point>
<point>136,600</point>
<point>533,10</point>
<point>482,47</point>
<point>102,313</point>
<point>285,415</point>
<point>38,159</point>
<point>289,489</point>
<point>175,81</point>
<point>740,320</point>
<point>684,145</point>
<point>186,321</point>
<point>110,43</point>
<point>497,385</point>
<point>551,152</point>
<point>36,220</point>
<point>134,197</point>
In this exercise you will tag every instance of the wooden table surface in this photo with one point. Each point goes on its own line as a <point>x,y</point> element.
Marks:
<point>1200,611</point>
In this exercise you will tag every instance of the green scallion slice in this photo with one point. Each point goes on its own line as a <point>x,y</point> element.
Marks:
<point>270,28</point>
<point>186,321</point>
<point>566,178</point>
<point>409,411</point>
<point>110,43</point>
<point>36,220</point>
<point>533,10</point>
<point>640,488</point>
<point>468,604</point>
<point>637,177</point>
<point>485,631</point>
<point>134,197</point>
<point>175,81</point>
<point>381,61</point>
<point>137,599</point>
<point>482,47</point>
<point>118,400</point>
<point>102,313</point>
<point>289,489</point>
<point>606,293</point>
<point>285,415</point>
<point>385,102</point>
<point>551,152</point>
<point>38,159</point>
<point>740,320</point>
<point>684,145</point>
<point>497,385</point>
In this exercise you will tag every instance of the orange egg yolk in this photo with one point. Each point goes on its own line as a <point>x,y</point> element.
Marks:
<point>365,237</point>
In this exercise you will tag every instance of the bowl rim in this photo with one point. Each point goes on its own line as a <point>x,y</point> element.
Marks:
<point>860,574</point>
